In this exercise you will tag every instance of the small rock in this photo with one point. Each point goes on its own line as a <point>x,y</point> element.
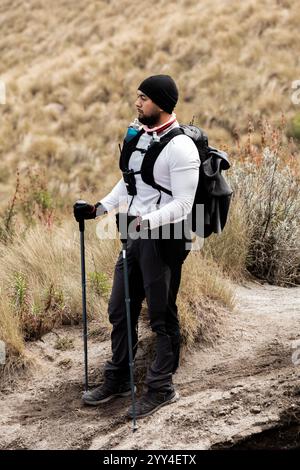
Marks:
<point>255,410</point>
<point>231,421</point>
<point>49,357</point>
<point>65,363</point>
<point>234,407</point>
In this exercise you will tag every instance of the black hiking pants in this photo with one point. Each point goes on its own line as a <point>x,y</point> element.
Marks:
<point>154,269</point>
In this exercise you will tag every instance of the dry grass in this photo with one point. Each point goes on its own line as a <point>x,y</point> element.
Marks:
<point>72,68</point>
<point>10,329</point>
<point>266,181</point>
<point>41,281</point>
<point>42,278</point>
<point>204,300</point>
<point>230,249</point>
<point>11,334</point>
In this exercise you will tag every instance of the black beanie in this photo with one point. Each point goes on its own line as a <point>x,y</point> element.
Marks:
<point>162,90</point>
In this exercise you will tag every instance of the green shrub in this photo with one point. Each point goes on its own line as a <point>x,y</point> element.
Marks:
<point>36,202</point>
<point>294,127</point>
<point>100,283</point>
<point>64,343</point>
<point>37,315</point>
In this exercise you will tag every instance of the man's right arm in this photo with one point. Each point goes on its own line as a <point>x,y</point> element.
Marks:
<point>117,195</point>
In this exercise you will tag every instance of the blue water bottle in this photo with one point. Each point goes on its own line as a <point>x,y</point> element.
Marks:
<point>132,130</point>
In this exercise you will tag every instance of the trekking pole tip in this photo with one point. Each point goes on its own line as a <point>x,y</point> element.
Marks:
<point>135,428</point>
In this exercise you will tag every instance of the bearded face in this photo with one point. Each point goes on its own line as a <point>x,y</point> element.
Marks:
<point>149,113</point>
<point>149,120</point>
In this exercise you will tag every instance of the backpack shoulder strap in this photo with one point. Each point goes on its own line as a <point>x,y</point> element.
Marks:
<point>127,149</point>
<point>151,156</point>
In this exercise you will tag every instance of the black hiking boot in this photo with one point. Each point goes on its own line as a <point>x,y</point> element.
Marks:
<point>106,392</point>
<point>152,401</point>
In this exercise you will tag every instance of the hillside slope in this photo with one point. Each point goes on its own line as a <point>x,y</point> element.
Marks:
<point>71,70</point>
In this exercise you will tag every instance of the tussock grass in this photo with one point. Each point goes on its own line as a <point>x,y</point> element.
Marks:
<point>230,248</point>
<point>10,328</point>
<point>72,69</point>
<point>266,180</point>
<point>41,281</point>
<point>205,299</point>
<point>42,278</point>
<point>16,357</point>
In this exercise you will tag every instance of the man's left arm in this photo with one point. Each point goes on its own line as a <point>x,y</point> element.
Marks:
<point>184,164</point>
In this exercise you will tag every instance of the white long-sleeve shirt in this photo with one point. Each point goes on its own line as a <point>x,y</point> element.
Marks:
<point>176,169</point>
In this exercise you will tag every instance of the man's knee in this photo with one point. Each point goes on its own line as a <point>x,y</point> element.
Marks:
<point>116,310</point>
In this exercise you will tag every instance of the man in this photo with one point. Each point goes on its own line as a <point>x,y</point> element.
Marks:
<point>154,265</point>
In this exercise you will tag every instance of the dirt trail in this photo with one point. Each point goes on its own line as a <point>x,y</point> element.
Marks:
<point>243,392</point>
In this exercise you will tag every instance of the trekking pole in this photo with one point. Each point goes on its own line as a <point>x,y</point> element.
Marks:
<point>84,316</point>
<point>129,335</point>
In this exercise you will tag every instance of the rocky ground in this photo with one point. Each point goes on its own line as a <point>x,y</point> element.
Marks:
<point>242,392</point>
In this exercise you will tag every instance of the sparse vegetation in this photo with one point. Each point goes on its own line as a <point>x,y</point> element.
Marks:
<point>99,283</point>
<point>267,180</point>
<point>41,278</point>
<point>36,202</point>
<point>64,343</point>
